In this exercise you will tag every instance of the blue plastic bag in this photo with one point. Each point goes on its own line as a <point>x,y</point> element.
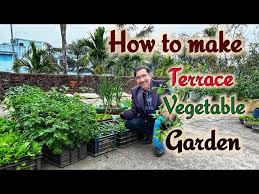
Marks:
<point>156,131</point>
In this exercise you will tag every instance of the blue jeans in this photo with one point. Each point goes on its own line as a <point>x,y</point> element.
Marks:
<point>141,125</point>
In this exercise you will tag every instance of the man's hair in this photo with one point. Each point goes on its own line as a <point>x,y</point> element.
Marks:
<point>140,68</point>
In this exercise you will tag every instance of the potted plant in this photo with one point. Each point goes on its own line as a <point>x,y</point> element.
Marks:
<point>19,153</point>
<point>110,91</point>
<point>103,117</point>
<point>124,136</point>
<point>244,118</point>
<point>248,121</point>
<point>62,124</point>
<point>104,139</point>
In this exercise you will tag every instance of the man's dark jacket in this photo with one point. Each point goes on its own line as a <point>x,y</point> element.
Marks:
<point>138,106</point>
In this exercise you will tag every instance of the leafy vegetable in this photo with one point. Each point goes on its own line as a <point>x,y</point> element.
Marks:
<point>101,117</point>
<point>14,147</point>
<point>52,118</point>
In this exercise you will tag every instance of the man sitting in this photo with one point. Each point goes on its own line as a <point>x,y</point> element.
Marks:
<point>144,103</point>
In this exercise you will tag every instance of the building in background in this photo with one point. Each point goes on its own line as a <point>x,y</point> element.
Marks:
<point>21,46</point>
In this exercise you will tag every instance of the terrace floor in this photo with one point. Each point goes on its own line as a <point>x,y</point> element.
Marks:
<point>139,156</point>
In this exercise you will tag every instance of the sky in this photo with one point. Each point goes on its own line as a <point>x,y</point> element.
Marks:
<point>51,32</point>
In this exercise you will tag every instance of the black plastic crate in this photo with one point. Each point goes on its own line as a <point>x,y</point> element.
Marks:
<point>34,164</point>
<point>68,156</point>
<point>255,128</point>
<point>102,145</point>
<point>126,138</point>
<point>123,134</point>
<point>128,142</point>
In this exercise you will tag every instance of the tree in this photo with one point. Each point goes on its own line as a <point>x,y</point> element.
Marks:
<point>165,63</point>
<point>138,33</point>
<point>154,61</point>
<point>124,64</point>
<point>37,61</point>
<point>97,49</point>
<point>79,56</point>
<point>63,28</point>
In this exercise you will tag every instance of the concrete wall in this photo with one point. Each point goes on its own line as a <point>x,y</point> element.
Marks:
<point>44,81</point>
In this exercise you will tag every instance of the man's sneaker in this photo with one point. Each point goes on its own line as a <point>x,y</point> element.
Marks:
<point>159,151</point>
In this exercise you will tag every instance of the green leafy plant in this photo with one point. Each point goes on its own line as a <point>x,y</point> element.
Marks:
<point>15,146</point>
<point>110,91</point>
<point>245,87</point>
<point>23,166</point>
<point>101,117</point>
<point>126,103</point>
<point>117,90</point>
<point>63,89</point>
<point>53,119</point>
<point>105,90</point>
<point>252,122</point>
<point>105,128</point>
<point>6,125</point>
<point>120,126</point>
<point>165,123</point>
<point>248,118</point>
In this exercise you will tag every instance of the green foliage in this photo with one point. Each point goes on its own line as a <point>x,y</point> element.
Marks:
<point>117,90</point>
<point>126,103</point>
<point>164,65</point>
<point>52,118</point>
<point>105,89</point>
<point>6,125</point>
<point>79,57</point>
<point>37,61</point>
<point>124,64</point>
<point>23,90</point>
<point>246,86</point>
<point>213,92</point>
<point>248,118</point>
<point>104,128</point>
<point>14,147</point>
<point>120,126</point>
<point>101,117</point>
<point>110,90</point>
<point>63,89</point>
<point>96,45</point>
<point>210,32</point>
<point>255,122</point>
<point>107,128</point>
<point>167,123</point>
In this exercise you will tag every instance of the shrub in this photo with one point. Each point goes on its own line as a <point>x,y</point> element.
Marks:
<point>52,118</point>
